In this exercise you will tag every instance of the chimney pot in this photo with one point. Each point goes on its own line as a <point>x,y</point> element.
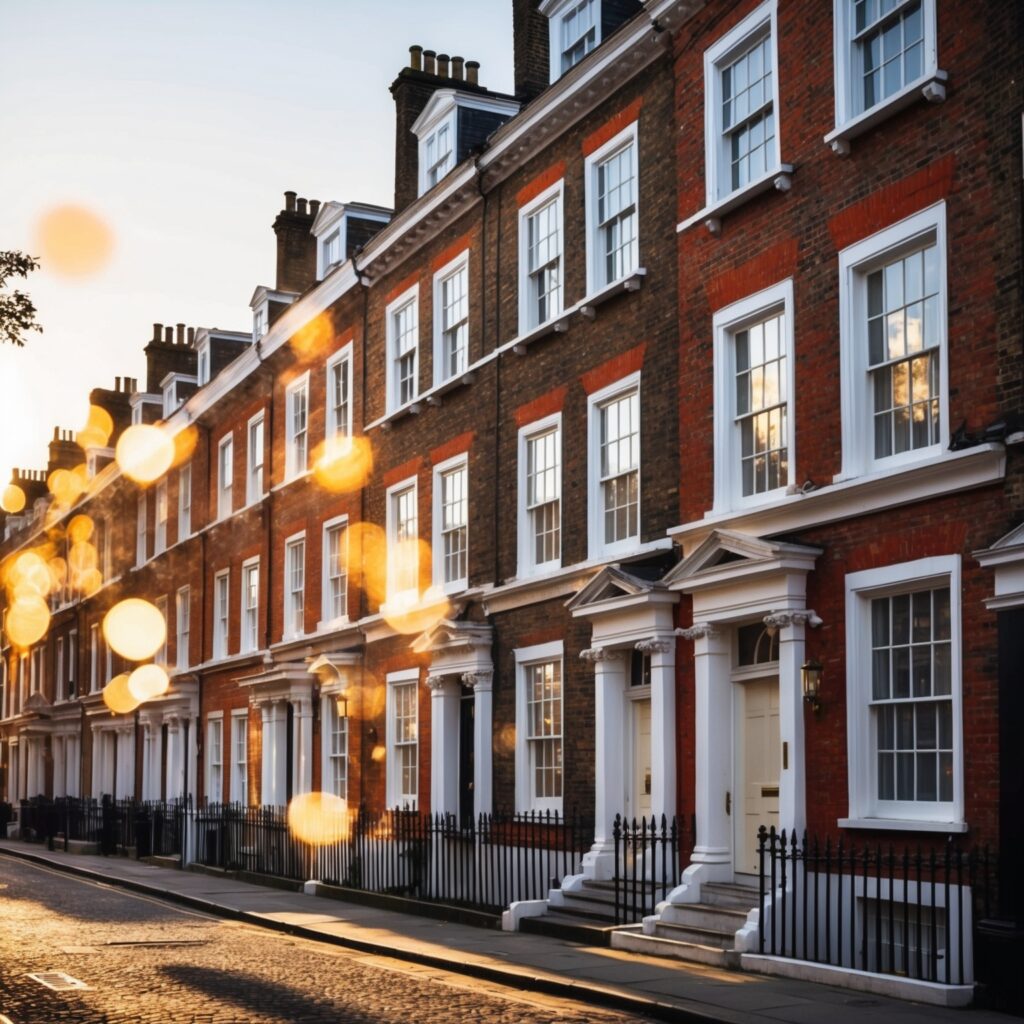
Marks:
<point>157,331</point>
<point>168,335</point>
<point>191,335</point>
<point>442,65</point>
<point>416,58</point>
<point>56,433</point>
<point>428,62</point>
<point>302,208</point>
<point>457,63</point>
<point>472,71</point>
<point>289,202</point>
<point>117,383</point>
<point>181,334</point>
<point>314,207</point>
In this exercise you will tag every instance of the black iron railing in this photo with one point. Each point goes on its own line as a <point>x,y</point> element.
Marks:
<point>484,863</point>
<point>647,865</point>
<point>874,908</point>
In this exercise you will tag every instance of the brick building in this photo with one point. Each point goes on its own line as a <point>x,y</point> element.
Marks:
<point>663,425</point>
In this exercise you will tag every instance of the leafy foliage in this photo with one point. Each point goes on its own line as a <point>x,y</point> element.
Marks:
<point>17,311</point>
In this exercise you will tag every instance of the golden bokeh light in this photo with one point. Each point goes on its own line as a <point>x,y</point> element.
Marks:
<point>82,558</point>
<point>97,430</point>
<point>185,442</point>
<point>66,485</point>
<point>148,681</point>
<point>313,337</point>
<point>12,499</point>
<point>412,612</point>
<point>144,453</point>
<point>80,529</point>
<point>319,819</point>
<point>368,559</point>
<point>88,582</point>
<point>378,753</point>
<point>135,629</point>
<point>505,740</point>
<point>28,619</point>
<point>118,697</point>
<point>343,464</point>
<point>73,241</point>
<point>58,572</point>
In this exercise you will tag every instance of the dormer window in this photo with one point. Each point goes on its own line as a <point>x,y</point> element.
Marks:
<point>451,123</point>
<point>342,228</point>
<point>259,322</point>
<point>176,388</point>
<point>332,249</point>
<point>575,30</point>
<point>203,363</point>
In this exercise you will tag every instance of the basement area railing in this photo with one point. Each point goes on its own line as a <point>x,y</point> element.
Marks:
<point>647,864</point>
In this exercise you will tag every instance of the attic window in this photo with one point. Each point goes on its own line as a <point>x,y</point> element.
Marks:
<point>203,363</point>
<point>332,249</point>
<point>575,30</point>
<point>259,322</point>
<point>439,154</point>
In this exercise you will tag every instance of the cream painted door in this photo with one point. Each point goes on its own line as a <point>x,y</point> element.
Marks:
<point>761,760</point>
<point>640,789</point>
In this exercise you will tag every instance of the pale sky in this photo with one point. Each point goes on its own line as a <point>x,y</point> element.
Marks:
<point>181,123</point>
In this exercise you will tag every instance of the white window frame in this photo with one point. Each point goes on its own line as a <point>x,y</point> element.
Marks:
<point>58,671</point>
<point>865,809</point>
<point>396,797</point>
<point>427,176</point>
<point>341,359</point>
<point>526,658</point>
<point>328,619</point>
<point>161,606</point>
<point>294,612</point>
<point>160,516</point>
<point>554,195</point>
<point>728,322</point>
<point>441,470</point>
<point>393,391</point>
<point>527,564</point>
<point>255,485</point>
<point>141,540</point>
<point>214,731</point>
<point>94,657</point>
<point>595,505</point>
<point>260,320</point>
<point>182,627</point>
<point>72,674</point>
<point>239,782</point>
<point>106,555</point>
<point>855,262</point>
<point>185,502</point>
<point>331,241</point>
<point>392,495</point>
<point>558,12</point>
<point>249,615</point>
<point>628,137</point>
<point>335,727</point>
<point>221,613</point>
<point>225,469</point>
<point>761,22</point>
<point>459,265</point>
<point>849,118</point>
<point>296,440</point>
<point>203,362</point>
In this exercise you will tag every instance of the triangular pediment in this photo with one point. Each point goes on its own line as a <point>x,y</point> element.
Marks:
<point>611,584</point>
<point>725,550</point>
<point>37,702</point>
<point>449,633</point>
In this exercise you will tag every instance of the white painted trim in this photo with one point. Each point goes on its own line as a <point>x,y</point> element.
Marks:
<point>328,621</point>
<point>344,354</point>
<point>225,494</point>
<point>861,587</point>
<point>450,269</point>
<point>213,719</point>
<point>219,638</point>
<point>286,633</point>
<point>391,528</point>
<point>460,461</point>
<point>553,194</point>
<point>410,295</point>
<point>727,323</point>
<point>243,647</point>
<point>524,658</point>
<point>763,20</point>
<point>556,11</point>
<point>251,496</point>
<point>629,137</point>
<point>525,566</point>
<point>393,797</point>
<point>292,468</point>
<point>596,547</point>
<point>239,715</point>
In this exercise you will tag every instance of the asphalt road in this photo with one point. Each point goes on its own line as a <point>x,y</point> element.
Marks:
<point>149,962</point>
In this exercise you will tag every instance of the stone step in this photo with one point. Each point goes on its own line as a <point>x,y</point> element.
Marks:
<point>570,927</point>
<point>657,945</point>
<point>708,915</point>
<point>717,938</point>
<point>723,894</point>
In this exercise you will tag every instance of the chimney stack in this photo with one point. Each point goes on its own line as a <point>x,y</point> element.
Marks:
<point>181,334</point>
<point>296,247</point>
<point>530,47</point>
<point>416,58</point>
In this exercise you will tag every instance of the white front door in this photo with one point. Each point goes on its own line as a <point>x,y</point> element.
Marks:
<point>757,776</point>
<point>639,790</point>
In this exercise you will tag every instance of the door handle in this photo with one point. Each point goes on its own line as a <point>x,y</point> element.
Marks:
<point>728,802</point>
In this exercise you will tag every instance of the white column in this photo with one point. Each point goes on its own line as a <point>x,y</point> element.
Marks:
<point>445,694</point>
<point>302,749</point>
<point>125,762</point>
<point>713,750</point>
<point>97,763</point>
<point>793,775</point>
<point>609,759</point>
<point>483,742</point>
<point>31,768</point>
<point>72,762</point>
<point>175,759</point>
<point>662,651</point>
<point>267,753</point>
<point>58,745</point>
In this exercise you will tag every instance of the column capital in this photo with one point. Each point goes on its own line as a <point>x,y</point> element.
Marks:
<point>700,631</point>
<point>595,655</point>
<point>479,681</point>
<point>436,683</point>
<point>796,617</point>
<point>656,645</point>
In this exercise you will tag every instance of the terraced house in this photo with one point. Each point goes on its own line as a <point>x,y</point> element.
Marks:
<point>685,385</point>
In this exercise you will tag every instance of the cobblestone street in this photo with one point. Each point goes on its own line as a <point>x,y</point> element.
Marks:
<point>146,961</point>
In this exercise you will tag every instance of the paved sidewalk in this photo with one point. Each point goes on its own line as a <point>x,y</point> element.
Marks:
<point>646,986</point>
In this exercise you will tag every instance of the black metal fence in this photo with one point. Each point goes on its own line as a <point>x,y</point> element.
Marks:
<point>647,864</point>
<point>144,828</point>
<point>485,864</point>
<point>907,912</point>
